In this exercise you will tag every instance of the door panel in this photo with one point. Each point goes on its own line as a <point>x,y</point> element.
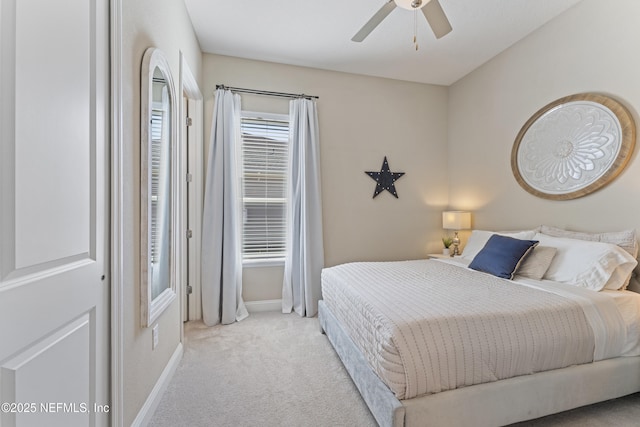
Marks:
<point>54,102</point>
<point>24,372</point>
<point>52,129</point>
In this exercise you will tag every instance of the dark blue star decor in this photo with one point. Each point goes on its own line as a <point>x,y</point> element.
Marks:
<point>385,179</point>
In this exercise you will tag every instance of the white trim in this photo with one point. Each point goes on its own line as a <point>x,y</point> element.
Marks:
<point>264,305</point>
<point>264,262</point>
<point>194,148</point>
<point>153,400</point>
<point>117,216</point>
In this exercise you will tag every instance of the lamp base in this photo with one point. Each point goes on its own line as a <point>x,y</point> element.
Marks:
<point>456,251</point>
<point>456,243</point>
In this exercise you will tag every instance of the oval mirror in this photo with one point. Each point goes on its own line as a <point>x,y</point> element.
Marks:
<point>157,186</point>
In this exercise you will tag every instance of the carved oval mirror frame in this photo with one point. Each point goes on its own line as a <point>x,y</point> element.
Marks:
<point>573,146</point>
<point>158,132</point>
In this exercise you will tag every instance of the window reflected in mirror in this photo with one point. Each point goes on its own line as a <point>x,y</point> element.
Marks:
<point>160,197</point>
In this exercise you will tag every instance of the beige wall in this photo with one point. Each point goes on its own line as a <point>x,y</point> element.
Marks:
<point>592,47</point>
<point>163,24</point>
<point>362,119</point>
<point>454,144</point>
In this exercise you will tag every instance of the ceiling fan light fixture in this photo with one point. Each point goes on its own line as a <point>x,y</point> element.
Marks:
<point>411,4</point>
<point>431,9</point>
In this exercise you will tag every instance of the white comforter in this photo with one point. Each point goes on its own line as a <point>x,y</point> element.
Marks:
<point>429,326</point>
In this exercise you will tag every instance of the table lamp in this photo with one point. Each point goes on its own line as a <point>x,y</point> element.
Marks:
<point>456,220</point>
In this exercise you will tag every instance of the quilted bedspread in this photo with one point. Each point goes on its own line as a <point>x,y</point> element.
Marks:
<point>428,326</point>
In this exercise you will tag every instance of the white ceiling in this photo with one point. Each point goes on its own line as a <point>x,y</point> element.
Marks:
<point>318,34</point>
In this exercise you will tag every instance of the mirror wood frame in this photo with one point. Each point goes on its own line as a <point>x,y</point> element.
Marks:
<point>627,144</point>
<point>151,307</point>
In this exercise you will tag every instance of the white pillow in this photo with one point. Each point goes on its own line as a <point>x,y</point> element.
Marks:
<point>479,238</point>
<point>592,265</point>
<point>626,239</point>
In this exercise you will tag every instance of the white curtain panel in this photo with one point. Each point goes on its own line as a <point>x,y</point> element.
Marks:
<point>222,217</point>
<point>304,259</point>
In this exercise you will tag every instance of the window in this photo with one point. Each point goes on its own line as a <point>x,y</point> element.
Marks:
<point>265,147</point>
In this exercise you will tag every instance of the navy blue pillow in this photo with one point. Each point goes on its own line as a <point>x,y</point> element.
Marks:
<point>502,255</point>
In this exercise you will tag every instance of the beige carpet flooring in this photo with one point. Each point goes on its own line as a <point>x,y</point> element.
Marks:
<point>277,370</point>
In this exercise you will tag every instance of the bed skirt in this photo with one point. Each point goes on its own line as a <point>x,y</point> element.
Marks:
<point>490,404</point>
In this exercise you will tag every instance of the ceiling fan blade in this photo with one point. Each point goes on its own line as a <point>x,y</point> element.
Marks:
<point>437,19</point>
<point>374,21</point>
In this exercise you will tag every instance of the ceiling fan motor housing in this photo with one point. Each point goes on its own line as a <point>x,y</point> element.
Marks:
<point>410,4</point>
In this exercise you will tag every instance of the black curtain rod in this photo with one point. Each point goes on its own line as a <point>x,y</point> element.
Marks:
<point>266,92</point>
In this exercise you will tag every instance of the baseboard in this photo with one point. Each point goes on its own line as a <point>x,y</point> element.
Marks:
<point>264,305</point>
<point>153,400</point>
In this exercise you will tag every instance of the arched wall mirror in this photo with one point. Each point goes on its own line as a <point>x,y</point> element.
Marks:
<point>157,186</point>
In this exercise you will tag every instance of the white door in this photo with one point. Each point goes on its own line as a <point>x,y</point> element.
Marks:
<point>54,122</point>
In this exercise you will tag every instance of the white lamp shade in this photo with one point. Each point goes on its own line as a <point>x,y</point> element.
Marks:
<point>456,220</point>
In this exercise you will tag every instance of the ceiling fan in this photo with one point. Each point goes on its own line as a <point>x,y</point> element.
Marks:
<point>430,8</point>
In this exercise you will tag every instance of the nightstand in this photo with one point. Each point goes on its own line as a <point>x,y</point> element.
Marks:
<point>438,256</point>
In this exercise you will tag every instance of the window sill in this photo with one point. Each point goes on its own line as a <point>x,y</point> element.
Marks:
<point>251,263</point>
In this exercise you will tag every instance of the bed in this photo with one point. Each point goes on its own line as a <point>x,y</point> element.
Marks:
<point>443,343</point>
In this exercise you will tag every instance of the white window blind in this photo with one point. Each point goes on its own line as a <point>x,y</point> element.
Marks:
<point>265,147</point>
<point>157,126</point>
